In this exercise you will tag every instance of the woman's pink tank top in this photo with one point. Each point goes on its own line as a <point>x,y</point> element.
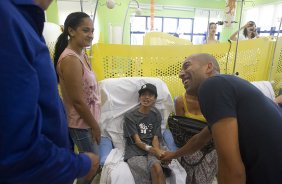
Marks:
<point>91,94</point>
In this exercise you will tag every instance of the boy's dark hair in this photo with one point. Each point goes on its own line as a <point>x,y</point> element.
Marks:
<point>148,87</point>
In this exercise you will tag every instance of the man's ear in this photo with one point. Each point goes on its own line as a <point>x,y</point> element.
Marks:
<point>209,68</point>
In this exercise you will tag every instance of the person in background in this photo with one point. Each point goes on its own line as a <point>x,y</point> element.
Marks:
<point>249,32</point>
<point>34,144</point>
<point>78,83</point>
<point>244,123</point>
<point>188,106</point>
<point>142,130</point>
<point>212,31</point>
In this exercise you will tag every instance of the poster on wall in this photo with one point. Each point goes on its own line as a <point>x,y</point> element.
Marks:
<point>230,10</point>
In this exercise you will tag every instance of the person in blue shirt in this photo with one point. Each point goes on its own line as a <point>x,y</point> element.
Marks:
<point>34,145</point>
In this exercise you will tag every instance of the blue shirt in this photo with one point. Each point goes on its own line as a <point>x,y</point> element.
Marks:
<point>259,124</point>
<point>34,145</point>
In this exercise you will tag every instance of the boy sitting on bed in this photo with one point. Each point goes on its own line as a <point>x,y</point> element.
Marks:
<point>142,130</point>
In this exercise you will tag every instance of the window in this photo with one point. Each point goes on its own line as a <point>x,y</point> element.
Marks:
<point>158,24</point>
<point>138,24</point>
<point>192,29</point>
<point>170,25</point>
<point>267,25</point>
<point>180,26</point>
<point>202,18</point>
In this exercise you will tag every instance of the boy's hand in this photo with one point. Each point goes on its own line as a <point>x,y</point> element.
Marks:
<point>157,152</point>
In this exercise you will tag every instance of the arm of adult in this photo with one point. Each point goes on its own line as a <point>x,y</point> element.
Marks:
<point>218,97</point>
<point>231,169</point>
<point>194,144</point>
<point>72,72</point>
<point>233,37</point>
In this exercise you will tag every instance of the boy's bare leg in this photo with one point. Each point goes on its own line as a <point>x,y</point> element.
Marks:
<point>157,174</point>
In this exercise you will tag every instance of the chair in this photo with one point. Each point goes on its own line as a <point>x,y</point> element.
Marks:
<point>119,95</point>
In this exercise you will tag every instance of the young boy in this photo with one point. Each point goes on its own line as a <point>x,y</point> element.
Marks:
<point>142,130</point>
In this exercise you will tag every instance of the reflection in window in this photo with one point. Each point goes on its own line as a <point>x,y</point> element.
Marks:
<point>138,24</point>
<point>187,28</point>
<point>158,23</point>
<point>264,21</point>
<point>170,25</point>
<point>267,25</point>
<point>187,37</point>
<point>183,23</point>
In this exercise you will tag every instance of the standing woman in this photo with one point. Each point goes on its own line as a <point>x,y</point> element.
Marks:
<point>249,32</point>
<point>212,31</point>
<point>78,83</point>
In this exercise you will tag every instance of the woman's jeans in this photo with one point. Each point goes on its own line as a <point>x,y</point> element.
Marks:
<point>83,139</point>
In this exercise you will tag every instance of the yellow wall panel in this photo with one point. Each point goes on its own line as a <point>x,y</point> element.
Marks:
<point>253,61</point>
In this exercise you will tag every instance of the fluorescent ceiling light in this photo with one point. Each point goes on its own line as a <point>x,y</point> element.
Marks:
<point>164,7</point>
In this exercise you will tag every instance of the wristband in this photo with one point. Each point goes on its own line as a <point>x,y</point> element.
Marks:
<point>147,147</point>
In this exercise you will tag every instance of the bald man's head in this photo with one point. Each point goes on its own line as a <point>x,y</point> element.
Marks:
<point>205,58</point>
<point>197,68</point>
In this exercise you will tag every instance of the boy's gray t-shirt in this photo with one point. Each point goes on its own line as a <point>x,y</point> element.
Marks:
<point>145,125</point>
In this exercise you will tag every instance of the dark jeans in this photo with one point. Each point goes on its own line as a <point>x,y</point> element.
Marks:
<point>82,138</point>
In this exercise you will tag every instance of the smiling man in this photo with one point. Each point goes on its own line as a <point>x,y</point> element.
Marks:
<point>188,106</point>
<point>246,126</point>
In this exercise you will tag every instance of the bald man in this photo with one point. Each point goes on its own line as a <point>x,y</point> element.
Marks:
<point>245,125</point>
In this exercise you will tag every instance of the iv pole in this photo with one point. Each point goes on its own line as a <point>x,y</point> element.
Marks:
<point>236,51</point>
<point>93,20</point>
<point>273,55</point>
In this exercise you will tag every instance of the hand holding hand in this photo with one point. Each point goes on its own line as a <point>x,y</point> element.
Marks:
<point>157,152</point>
<point>167,156</point>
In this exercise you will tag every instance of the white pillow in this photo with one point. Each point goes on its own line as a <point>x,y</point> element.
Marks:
<point>266,88</point>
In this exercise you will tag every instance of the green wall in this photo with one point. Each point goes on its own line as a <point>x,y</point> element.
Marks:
<point>52,13</point>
